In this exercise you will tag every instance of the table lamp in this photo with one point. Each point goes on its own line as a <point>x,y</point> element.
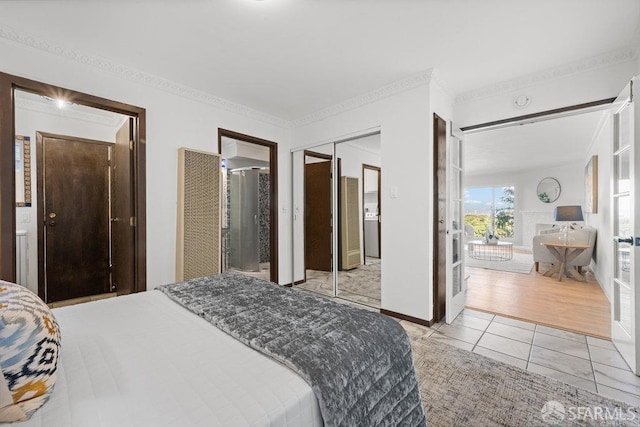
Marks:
<point>567,214</point>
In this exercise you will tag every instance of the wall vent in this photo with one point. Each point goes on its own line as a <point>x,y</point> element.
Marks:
<point>199,213</point>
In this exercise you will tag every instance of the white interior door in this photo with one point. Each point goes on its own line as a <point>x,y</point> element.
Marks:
<point>456,283</point>
<point>625,325</point>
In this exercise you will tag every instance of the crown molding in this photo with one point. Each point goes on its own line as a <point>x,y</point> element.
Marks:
<point>613,57</point>
<point>139,76</point>
<point>391,89</point>
<point>618,56</point>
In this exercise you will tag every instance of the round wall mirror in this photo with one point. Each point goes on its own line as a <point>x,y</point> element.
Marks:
<point>548,190</point>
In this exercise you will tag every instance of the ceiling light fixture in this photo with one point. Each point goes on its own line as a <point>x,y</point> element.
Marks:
<point>61,103</point>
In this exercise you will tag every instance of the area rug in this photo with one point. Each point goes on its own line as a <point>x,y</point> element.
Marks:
<point>460,388</point>
<point>520,263</point>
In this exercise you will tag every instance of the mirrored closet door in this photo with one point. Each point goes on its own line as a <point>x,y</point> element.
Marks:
<point>354,197</point>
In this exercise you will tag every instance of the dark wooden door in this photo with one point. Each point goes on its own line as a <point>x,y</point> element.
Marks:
<point>73,205</point>
<point>440,216</point>
<point>122,224</point>
<point>317,216</point>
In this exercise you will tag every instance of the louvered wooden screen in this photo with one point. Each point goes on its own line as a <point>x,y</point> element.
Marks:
<point>350,223</point>
<point>199,213</point>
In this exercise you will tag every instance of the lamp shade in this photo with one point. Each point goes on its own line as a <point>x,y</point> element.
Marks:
<point>568,213</point>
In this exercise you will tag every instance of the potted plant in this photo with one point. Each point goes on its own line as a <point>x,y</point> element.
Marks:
<point>490,238</point>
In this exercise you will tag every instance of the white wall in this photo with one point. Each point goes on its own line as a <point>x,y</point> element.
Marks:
<point>27,123</point>
<point>571,179</point>
<point>603,257</point>
<point>172,121</point>
<point>404,120</point>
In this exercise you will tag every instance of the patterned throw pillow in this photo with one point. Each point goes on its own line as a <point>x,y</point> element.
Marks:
<point>29,348</point>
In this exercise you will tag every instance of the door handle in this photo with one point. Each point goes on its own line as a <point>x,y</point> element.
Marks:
<point>628,240</point>
<point>115,219</point>
<point>441,221</point>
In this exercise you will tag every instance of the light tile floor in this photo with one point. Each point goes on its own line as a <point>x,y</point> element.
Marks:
<point>589,363</point>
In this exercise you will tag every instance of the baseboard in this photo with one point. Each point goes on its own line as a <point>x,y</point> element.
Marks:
<point>288,285</point>
<point>407,317</point>
<point>601,280</point>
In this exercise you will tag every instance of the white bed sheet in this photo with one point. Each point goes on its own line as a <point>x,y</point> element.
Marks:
<point>143,360</point>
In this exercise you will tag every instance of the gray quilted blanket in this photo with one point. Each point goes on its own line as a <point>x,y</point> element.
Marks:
<point>358,363</point>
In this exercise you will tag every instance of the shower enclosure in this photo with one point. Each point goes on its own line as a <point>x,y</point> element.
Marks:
<point>248,213</point>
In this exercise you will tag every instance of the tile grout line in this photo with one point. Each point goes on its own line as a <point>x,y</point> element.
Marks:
<point>593,371</point>
<point>535,331</point>
<point>483,332</point>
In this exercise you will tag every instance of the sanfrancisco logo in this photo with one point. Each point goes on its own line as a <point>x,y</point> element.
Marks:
<point>554,413</point>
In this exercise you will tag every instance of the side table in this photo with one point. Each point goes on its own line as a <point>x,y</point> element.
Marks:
<point>565,253</point>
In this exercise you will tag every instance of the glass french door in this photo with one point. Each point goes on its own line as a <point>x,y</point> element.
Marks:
<point>625,325</point>
<point>456,283</point>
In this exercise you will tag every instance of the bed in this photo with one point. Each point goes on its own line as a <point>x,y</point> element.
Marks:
<point>148,359</point>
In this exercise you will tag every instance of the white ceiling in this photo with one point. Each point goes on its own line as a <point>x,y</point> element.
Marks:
<point>290,58</point>
<point>530,146</point>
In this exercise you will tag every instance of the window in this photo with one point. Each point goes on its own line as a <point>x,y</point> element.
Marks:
<point>490,209</point>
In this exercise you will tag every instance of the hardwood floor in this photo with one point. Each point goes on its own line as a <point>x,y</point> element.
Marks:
<point>570,305</point>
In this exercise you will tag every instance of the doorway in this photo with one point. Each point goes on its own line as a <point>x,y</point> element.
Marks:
<point>130,175</point>
<point>515,191</point>
<point>249,226</point>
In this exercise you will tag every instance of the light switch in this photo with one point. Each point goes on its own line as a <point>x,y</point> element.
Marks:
<point>26,218</point>
<point>394,192</point>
